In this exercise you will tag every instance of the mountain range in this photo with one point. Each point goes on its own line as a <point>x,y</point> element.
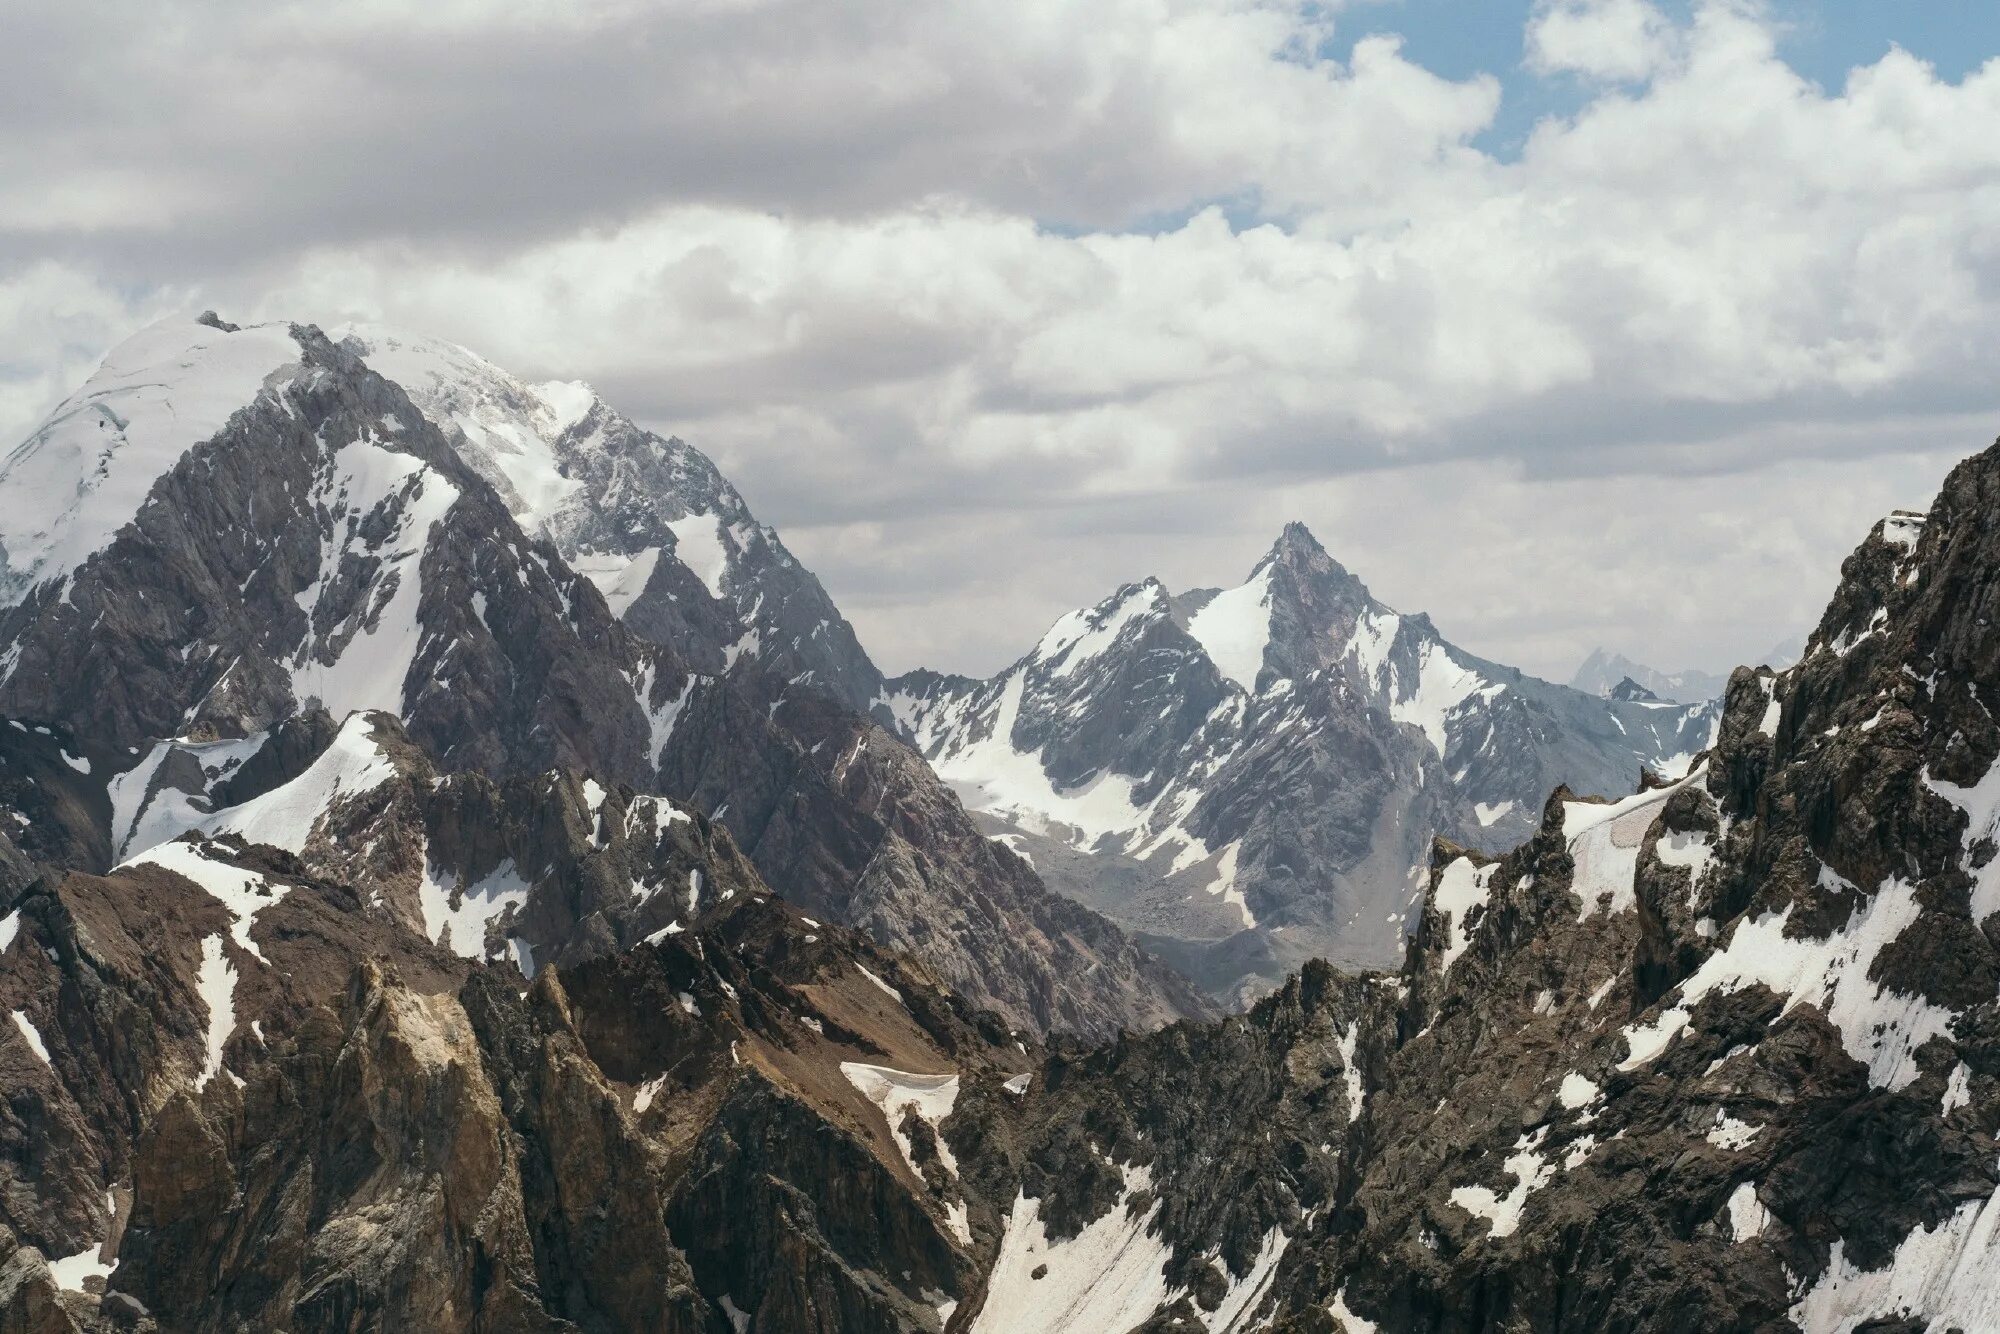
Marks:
<point>459,872</point>
<point>1603,671</point>
<point>226,529</point>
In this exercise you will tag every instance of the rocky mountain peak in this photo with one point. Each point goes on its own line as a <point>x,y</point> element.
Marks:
<point>1297,543</point>
<point>1283,622</point>
<point>1256,771</point>
<point>1604,670</point>
<point>1297,548</point>
<point>1628,689</point>
<point>1319,610</point>
<point>1313,570</point>
<point>651,521</point>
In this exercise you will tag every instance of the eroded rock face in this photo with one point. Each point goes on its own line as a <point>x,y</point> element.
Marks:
<point>288,1070</point>
<point>275,1106</point>
<point>30,1300</point>
<point>844,819</point>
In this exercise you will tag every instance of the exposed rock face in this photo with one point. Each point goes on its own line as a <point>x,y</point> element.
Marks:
<point>277,1107</point>
<point>844,819</point>
<point>30,1300</point>
<point>51,808</point>
<point>1257,772</point>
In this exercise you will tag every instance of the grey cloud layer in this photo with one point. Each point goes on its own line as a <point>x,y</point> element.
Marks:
<point>879,259</point>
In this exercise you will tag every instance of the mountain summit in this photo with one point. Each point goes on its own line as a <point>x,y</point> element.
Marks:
<point>1251,776</point>
<point>613,499</point>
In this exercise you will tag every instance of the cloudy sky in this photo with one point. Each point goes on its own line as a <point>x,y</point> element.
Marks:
<point>1568,321</point>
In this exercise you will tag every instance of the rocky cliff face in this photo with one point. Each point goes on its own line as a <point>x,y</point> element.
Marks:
<point>243,1096</point>
<point>1255,773</point>
<point>846,820</point>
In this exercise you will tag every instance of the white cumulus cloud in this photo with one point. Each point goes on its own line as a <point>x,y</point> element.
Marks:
<point>957,292</point>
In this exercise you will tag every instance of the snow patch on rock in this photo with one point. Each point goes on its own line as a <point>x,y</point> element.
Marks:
<point>243,893</point>
<point>1461,887</point>
<point>1503,1212</point>
<point>1111,1275</point>
<point>215,983</point>
<point>32,1035</point>
<point>287,816</point>
<point>699,545</point>
<point>1940,1277</point>
<point>464,913</point>
<point>380,506</point>
<point>1234,629</point>
<point>894,1091</point>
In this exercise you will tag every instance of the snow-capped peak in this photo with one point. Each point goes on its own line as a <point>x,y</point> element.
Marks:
<point>1239,627</point>
<point>509,427</point>
<point>1083,634</point>
<point>1298,612</point>
<point>85,472</point>
<point>646,518</point>
<point>1216,738</point>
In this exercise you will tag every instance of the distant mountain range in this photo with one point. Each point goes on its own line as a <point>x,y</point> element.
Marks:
<point>1603,670</point>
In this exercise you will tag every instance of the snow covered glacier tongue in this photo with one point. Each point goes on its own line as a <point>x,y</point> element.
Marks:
<point>1252,776</point>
